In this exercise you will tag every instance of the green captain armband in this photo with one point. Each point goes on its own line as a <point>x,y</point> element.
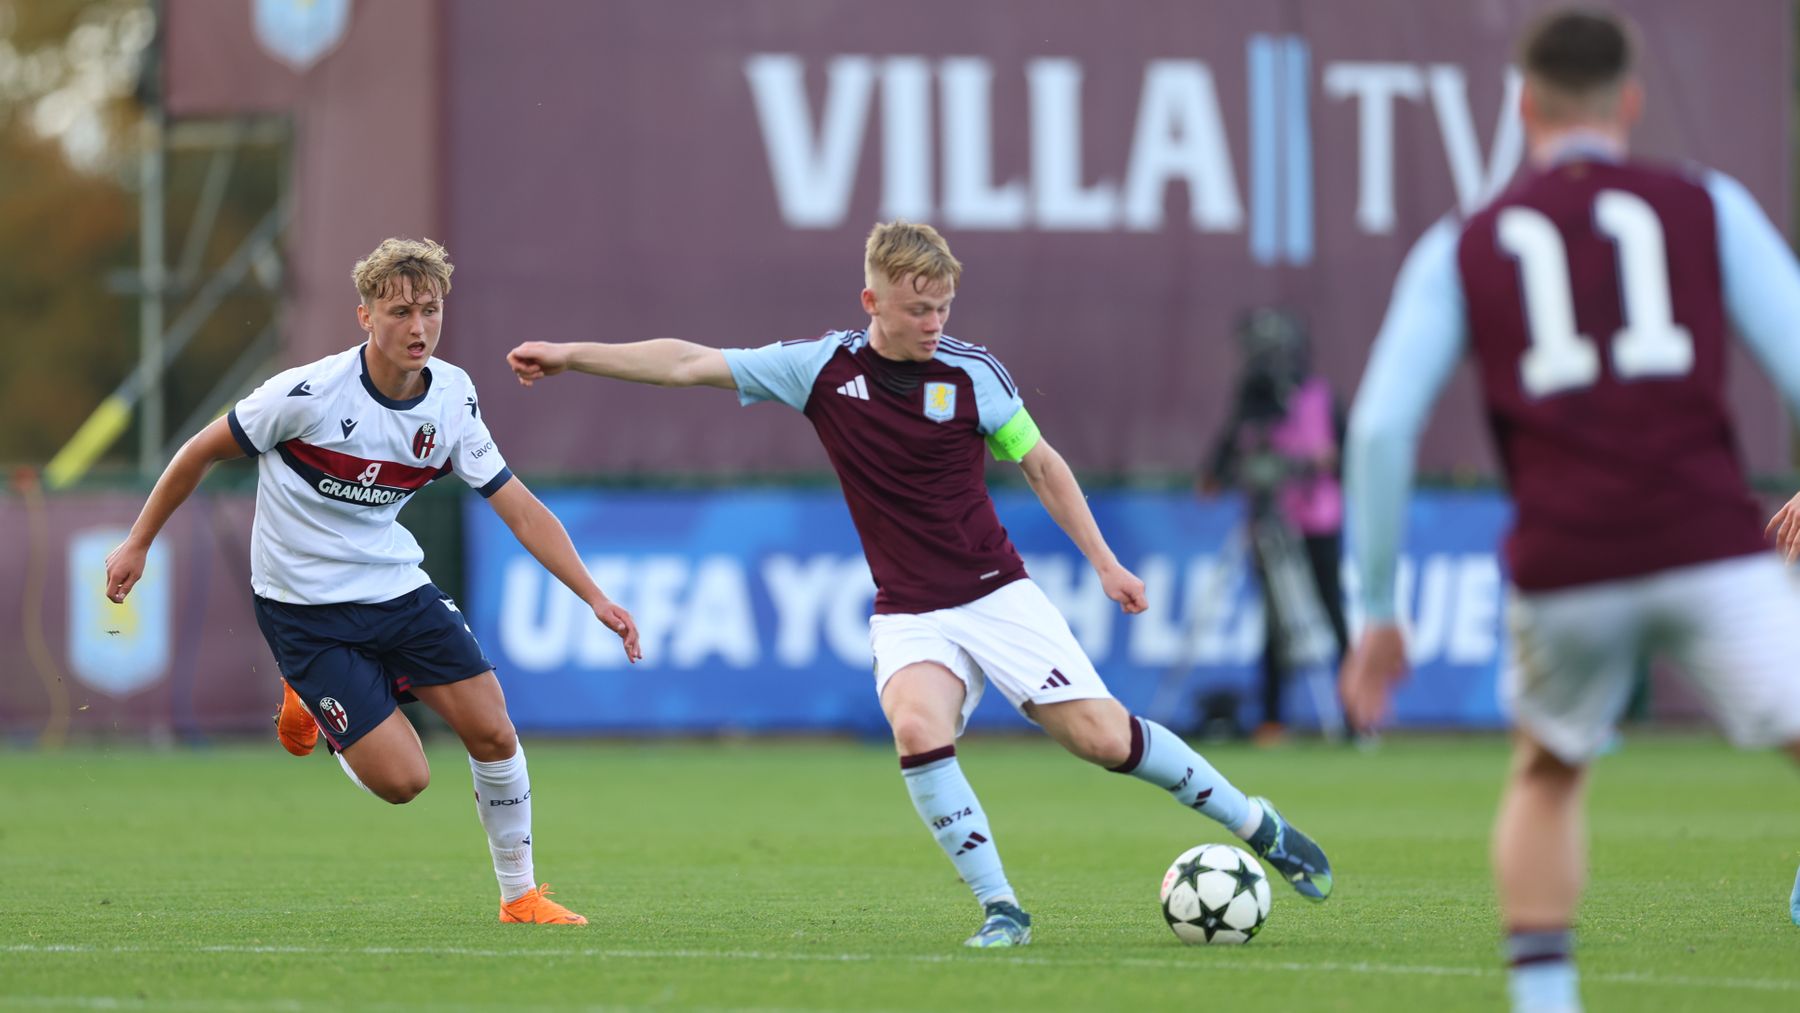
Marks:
<point>1011,442</point>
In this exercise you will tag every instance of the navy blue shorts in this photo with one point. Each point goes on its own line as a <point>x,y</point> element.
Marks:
<point>353,664</point>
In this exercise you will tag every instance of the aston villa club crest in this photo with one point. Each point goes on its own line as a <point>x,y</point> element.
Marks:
<point>425,441</point>
<point>940,401</point>
<point>334,714</point>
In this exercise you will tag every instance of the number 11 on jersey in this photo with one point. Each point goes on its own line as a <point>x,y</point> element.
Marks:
<point>1561,358</point>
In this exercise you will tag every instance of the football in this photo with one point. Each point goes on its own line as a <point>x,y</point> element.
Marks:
<point>1215,893</point>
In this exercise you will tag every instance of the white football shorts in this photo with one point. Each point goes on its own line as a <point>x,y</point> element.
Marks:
<point>1013,637</point>
<point>1733,625</point>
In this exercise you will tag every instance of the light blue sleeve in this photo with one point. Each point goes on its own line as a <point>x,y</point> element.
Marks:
<point>1760,283</point>
<point>783,371</point>
<point>1421,339</point>
<point>997,398</point>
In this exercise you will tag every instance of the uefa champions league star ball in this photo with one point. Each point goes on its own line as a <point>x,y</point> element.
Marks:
<point>1215,893</point>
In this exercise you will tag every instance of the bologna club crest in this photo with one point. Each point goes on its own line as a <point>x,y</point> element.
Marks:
<point>334,714</point>
<point>425,441</point>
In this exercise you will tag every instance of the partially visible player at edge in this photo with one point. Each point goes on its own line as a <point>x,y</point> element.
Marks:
<point>1594,297</point>
<point>904,412</point>
<point>355,625</point>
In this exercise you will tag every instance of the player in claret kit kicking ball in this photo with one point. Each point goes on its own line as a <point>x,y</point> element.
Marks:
<point>355,625</point>
<point>905,413</point>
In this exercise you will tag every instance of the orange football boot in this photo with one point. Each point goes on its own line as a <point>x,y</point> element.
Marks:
<point>536,908</point>
<point>294,724</point>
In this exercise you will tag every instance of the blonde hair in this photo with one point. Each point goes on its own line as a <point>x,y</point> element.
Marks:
<point>420,261</point>
<point>899,249</point>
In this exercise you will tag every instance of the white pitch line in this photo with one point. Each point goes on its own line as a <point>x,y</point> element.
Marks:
<point>1320,967</point>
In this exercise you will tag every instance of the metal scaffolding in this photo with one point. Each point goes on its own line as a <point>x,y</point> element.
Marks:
<point>190,283</point>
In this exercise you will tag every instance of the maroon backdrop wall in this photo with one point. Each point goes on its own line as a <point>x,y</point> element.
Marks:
<point>1120,182</point>
<point>182,657</point>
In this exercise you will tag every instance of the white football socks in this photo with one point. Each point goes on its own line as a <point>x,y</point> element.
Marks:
<point>503,800</point>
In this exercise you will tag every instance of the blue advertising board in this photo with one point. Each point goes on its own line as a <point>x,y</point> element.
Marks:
<point>753,609</point>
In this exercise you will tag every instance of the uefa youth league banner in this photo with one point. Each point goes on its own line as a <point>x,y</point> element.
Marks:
<point>753,607</point>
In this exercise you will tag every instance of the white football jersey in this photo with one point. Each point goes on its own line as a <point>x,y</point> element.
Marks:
<point>338,460</point>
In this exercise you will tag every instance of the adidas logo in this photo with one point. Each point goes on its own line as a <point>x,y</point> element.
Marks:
<point>975,840</point>
<point>857,388</point>
<point>1056,679</point>
<point>1200,799</point>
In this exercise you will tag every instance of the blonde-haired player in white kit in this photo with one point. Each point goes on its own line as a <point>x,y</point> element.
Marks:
<point>355,625</point>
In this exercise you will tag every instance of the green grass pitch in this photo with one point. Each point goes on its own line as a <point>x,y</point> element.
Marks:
<point>795,876</point>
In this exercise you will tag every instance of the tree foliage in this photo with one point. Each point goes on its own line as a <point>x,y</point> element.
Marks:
<point>67,214</point>
<point>70,144</point>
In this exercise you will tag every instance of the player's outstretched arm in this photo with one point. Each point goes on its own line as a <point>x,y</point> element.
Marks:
<point>665,362</point>
<point>1056,488</point>
<point>547,540</point>
<point>125,564</point>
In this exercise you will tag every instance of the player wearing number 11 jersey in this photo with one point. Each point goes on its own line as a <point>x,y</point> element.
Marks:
<point>1595,298</point>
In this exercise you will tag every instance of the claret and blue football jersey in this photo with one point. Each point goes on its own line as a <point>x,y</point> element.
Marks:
<point>1596,297</point>
<point>337,460</point>
<point>908,442</point>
